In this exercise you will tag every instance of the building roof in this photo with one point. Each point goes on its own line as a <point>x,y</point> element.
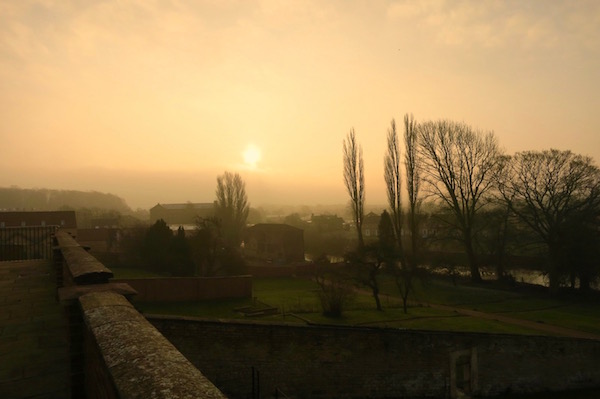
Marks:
<point>39,218</point>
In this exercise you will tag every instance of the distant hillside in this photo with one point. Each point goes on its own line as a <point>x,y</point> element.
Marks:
<point>15,198</point>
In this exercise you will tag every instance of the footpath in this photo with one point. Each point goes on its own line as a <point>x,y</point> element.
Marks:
<point>34,357</point>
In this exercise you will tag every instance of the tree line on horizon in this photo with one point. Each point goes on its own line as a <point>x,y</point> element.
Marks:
<point>43,199</point>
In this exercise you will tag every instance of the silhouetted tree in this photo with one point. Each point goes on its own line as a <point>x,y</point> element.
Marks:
<point>493,233</point>
<point>210,254</point>
<point>207,246</point>
<point>393,181</point>
<point>388,252</point>
<point>232,262</point>
<point>557,195</point>
<point>155,249</point>
<point>458,166</point>
<point>179,256</point>
<point>369,262</point>
<point>412,164</point>
<point>232,208</point>
<point>354,178</point>
<point>334,289</point>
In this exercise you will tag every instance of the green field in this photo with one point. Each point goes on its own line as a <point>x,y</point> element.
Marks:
<point>297,302</point>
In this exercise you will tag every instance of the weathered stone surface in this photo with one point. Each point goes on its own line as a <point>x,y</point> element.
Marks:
<point>153,377</point>
<point>83,267</point>
<point>359,362</point>
<point>65,240</point>
<point>141,361</point>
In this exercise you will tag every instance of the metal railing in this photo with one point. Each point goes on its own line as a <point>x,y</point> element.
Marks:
<point>25,243</point>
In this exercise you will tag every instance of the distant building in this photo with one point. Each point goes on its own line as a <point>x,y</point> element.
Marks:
<point>371,225</point>
<point>63,219</point>
<point>280,243</point>
<point>181,214</point>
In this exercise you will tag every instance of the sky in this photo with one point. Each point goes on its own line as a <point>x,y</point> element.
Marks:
<point>152,100</point>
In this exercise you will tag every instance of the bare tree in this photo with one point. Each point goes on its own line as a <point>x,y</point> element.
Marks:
<point>393,182</point>
<point>557,194</point>
<point>413,183</point>
<point>231,207</point>
<point>335,291</point>
<point>354,178</point>
<point>458,166</point>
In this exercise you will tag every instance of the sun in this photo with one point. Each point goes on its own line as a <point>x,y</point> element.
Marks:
<point>251,156</point>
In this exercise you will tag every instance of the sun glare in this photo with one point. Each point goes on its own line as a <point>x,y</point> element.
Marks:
<point>251,156</point>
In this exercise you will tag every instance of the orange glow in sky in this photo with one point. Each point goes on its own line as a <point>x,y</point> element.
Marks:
<point>152,100</point>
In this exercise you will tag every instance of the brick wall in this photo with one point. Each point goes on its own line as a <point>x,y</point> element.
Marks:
<point>178,289</point>
<point>346,362</point>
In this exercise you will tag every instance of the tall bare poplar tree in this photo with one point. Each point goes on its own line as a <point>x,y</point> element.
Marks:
<point>458,167</point>
<point>413,183</point>
<point>393,181</point>
<point>354,178</point>
<point>231,207</point>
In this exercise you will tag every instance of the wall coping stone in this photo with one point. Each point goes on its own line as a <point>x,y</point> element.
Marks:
<point>140,360</point>
<point>337,327</point>
<point>84,268</point>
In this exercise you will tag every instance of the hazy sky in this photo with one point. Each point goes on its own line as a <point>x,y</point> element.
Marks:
<point>151,100</point>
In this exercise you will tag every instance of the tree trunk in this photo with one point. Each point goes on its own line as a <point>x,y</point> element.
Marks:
<point>472,258</point>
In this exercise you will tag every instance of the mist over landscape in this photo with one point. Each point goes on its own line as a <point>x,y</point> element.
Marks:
<point>300,199</point>
<point>151,102</point>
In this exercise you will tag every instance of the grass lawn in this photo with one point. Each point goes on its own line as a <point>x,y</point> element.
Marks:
<point>297,302</point>
<point>574,316</point>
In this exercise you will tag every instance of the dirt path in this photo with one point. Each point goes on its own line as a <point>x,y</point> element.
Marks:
<point>532,325</point>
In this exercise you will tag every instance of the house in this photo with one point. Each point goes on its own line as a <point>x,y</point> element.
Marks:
<point>280,243</point>
<point>181,214</point>
<point>371,225</point>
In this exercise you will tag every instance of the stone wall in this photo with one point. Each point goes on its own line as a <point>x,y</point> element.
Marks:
<point>346,362</point>
<point>179,289</point>
<point>114,351</point>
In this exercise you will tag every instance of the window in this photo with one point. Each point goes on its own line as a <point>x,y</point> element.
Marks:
<point>2,225</point>
<point>23,224</point>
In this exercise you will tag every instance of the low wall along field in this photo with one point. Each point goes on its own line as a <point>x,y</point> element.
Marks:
<point>180,289</point>
<point>348,362</point>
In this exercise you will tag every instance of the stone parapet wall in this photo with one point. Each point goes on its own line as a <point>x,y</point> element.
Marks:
<point>346,362</point>
<point>139,360</point>
<point>114,351</point>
